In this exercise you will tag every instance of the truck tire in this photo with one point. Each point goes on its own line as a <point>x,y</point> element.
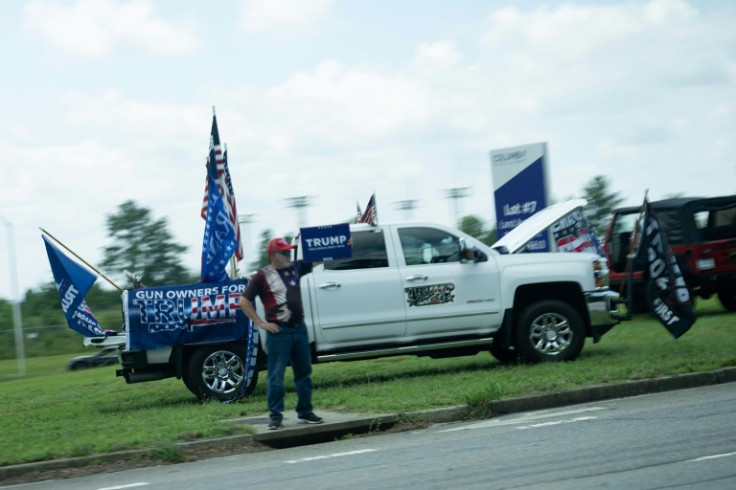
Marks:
<point>727,298</point>
<point>549,330</point>
<point>218,371</point>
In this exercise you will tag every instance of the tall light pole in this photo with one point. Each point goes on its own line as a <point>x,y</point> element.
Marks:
<point>300,203</point>
<point>245,220</point>
<point>407,206</point>
<point>20,352</point>
<point>457,193</point>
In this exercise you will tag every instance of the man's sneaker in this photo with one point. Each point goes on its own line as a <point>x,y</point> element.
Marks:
<point>275,424</point>
<point>310,418</point>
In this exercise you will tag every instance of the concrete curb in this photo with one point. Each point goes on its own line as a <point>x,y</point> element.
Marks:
<point>618,390</point>
<point>356,424</point>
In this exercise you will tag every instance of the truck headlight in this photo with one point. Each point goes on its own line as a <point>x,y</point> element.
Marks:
<point>600,272</point>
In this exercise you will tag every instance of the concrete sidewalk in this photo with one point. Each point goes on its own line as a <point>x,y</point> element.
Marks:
<point>339,424</point>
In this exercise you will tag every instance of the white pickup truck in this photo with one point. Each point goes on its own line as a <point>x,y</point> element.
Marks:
<point>429,290</point>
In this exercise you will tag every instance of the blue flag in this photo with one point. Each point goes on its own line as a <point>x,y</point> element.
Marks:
<point>219,240</point>
<point>73,282</point>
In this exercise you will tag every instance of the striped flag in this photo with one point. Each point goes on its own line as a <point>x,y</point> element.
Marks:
<point>369,215</point>
<point>224,185</point>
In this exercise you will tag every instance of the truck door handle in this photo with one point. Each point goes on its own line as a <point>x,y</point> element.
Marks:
<point>329,285</point>
<point>418,277</point>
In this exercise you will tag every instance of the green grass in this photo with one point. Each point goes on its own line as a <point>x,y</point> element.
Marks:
<point>51,412</point>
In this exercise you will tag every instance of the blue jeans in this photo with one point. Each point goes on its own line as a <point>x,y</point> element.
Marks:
<point>291,344</point>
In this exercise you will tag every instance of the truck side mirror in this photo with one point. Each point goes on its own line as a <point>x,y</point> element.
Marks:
<point>470,254</point>
<point>466,253</point>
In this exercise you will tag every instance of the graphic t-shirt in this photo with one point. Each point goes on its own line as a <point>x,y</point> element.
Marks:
<point>279,291</point>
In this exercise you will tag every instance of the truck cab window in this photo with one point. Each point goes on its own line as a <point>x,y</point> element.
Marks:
<point>428,246</point>
<point>369,252</point>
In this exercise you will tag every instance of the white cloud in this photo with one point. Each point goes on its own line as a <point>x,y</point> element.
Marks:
<point>95,28</point>
<point>280,15</point>
<point>437,55</point>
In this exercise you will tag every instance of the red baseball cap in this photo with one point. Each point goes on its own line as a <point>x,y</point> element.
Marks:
<point>278,245</point>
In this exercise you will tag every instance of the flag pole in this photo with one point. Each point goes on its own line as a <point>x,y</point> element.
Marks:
<point>80,258</point>
<point>634,240</point>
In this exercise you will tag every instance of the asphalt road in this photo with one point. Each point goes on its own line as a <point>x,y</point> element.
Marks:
<point>675,439</point>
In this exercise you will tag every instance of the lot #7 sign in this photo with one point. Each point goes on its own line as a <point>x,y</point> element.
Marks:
<point>520,188</point>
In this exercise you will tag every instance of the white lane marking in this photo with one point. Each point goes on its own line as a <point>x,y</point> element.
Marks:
<point>328,456</point>
<point>558,422</point>
<point>131,485</point>
<point>524,419</point>
<point>715,456</point>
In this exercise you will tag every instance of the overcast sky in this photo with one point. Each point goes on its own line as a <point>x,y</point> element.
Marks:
<point>108,100</point>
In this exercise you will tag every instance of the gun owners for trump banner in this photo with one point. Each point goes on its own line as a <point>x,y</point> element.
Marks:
<point>165,316</point>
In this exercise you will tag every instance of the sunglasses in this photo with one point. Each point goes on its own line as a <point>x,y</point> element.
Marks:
<point>285,252</point>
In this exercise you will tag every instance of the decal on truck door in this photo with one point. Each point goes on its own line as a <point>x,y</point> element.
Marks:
<point>434,294</point>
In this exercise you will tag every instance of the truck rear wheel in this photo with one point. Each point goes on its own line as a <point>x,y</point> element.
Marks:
<point>219,371</point>
<point>549,330</point>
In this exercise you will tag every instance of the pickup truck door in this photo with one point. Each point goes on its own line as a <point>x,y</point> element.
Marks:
<point>444,295</point>
<point>360,299</point>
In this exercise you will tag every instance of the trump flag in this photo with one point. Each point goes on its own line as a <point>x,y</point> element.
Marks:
<point>669,295</point>
<point>72,283</point>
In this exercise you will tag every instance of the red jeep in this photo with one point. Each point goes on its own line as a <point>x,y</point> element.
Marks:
<point>701,233</point>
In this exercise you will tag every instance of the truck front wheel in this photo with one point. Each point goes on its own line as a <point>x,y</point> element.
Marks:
<point>549,330</point>
<point>219,371</point>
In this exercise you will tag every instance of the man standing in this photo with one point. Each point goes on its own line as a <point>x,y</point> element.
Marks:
<point>287,340</point>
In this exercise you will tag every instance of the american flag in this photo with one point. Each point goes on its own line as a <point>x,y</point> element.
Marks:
<point>370,215</point>
<point>224,184</point>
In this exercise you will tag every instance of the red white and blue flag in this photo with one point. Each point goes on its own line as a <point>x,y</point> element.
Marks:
<point>370,215</point>
<point>224,185</point>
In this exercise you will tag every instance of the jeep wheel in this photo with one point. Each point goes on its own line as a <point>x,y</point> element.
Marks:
<point>728,298</point>
<point>549,330</point>
<point>218,371</point>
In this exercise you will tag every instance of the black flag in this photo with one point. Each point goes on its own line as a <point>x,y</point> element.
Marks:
<point>669,295</point>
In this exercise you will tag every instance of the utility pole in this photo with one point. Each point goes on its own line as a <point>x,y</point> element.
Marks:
<point>455,194</point>
<point>407,206</point>
<point>20,353</point>
<point>300,203</point>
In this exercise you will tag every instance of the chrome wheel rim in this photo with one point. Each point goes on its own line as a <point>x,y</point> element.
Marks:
<point>550,334</point>
<point>223,372</point>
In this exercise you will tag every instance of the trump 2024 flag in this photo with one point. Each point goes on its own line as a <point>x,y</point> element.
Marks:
<point>72,283</point>
<point>669,296</point>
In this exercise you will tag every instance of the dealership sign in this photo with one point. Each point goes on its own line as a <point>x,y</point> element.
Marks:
<point>520,188</point>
